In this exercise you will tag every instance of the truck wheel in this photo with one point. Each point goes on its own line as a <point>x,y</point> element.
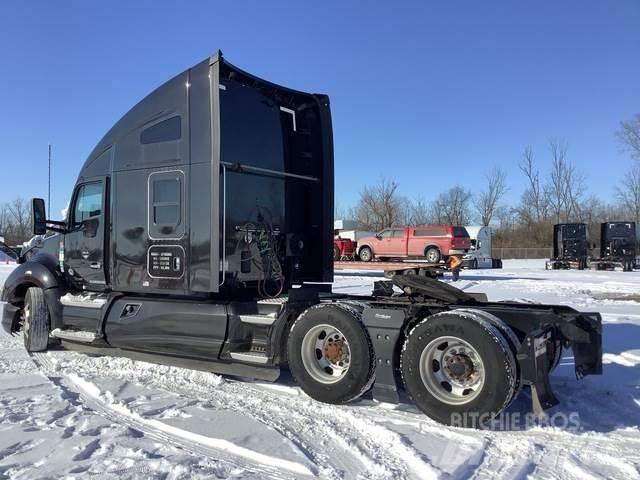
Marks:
<point>459,369</point>
<point>432,255</point>
<point>336,253</point>
<point>506,331</point>
<point>365,254</point>
<point>330,354</point>
<point>36,321</point>
<point>474,264</point>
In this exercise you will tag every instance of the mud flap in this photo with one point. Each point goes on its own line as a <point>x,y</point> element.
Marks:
<point>534,370</point>
<point>584,334</point>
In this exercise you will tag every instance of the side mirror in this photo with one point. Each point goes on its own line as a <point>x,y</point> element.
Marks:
<point>38,216</point>
<point>90,227</point>
<point>378,236</point>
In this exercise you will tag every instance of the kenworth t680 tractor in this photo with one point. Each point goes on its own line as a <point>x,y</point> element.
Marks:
<point>200,234</point>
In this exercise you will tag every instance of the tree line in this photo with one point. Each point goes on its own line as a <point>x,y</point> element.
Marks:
<point>557,195</point>
<point>15,221</point>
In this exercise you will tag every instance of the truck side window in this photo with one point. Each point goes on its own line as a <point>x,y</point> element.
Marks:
<point>166,131</point>
<point>165,204</point>
<point>88,202</point>
<point>398,233</point>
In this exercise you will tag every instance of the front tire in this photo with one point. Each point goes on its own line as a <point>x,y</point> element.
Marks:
<point>36,321</point>
<point>365,254</point>
<point>459,369</point>
<point>336,253</point>
<point>330,353</point>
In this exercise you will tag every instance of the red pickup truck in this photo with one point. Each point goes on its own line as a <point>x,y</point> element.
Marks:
<point>435,243</point>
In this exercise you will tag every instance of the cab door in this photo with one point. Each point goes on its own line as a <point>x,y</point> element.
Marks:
<point>84,245</point>
<point>383,244</point>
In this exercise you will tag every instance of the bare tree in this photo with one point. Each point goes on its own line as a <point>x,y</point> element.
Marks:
<point>419,212</point>
<point>628,193</point>
<point>534,205</point>
<point>566,185</point>
<point>629,135</point>
<point>487,201</point>
<point>452,206</point>
<point>380,206</point>
<point>20,215</point>
<point>4,220</point>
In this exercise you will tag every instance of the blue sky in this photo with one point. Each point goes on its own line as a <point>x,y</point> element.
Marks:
<point>426,93</point>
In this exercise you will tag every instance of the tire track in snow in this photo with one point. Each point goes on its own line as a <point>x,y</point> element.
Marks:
<point>237,457</point>
<point>344,436</point>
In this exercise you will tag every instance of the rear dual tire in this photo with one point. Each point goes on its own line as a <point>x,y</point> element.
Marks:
<point>460,368</point>
<point>330,354</point>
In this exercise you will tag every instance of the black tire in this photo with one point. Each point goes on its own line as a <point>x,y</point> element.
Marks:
<point>36,321</point>
<point>365,254</point>
<point>509,335</point>
<point>359,376</point>
<point>499,263</point>
<point>474,264</point>
<point>500,375</point>
<point>336,253</point>
<point>582,263</point>
<point>432,254</point>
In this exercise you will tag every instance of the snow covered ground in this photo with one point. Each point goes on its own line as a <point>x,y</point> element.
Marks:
<point>77,416</point>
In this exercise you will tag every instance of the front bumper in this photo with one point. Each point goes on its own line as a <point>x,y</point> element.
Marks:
<point>8,314</point>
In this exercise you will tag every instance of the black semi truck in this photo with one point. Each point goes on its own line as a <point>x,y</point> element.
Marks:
<point>570,246</point>
<point>618,246</point>
<point>200,234</point>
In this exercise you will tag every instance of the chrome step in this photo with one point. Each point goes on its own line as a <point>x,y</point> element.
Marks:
<point>271,301</point>
<point>268,319</point>
<point>74,335</point>
<point>83,300</point>
<point>251,357</point>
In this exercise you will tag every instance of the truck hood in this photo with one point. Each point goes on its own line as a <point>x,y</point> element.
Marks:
<point>367,240</point>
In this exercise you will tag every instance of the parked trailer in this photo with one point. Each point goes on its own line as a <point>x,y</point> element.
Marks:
<point>570,246</point>
<point>618,247</point>
<point>166,257</point>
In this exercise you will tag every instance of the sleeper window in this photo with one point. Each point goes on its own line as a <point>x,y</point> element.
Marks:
<point>165,204</point>
<point>166,131</point>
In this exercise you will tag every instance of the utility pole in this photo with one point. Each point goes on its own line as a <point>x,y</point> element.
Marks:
<point>49,185</point>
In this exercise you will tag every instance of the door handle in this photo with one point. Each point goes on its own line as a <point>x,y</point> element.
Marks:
<point>95,265</point>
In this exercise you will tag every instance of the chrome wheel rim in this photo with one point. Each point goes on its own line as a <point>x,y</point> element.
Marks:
<point>432,256</point>
<point>325,354</point>
<point>365,255</point>
<point>452,370</point>
<point>26,318</point>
